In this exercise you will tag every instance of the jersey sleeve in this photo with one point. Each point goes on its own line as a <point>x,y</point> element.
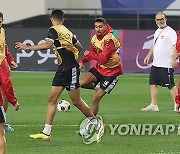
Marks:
<point>9,57</point>
<point>178,43</point>
<point>74,40</point>
<point>89,57</point>
<point>106,53</point>
<point>52,35</point>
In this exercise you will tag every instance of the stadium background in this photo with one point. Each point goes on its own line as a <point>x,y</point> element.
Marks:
<point>133,23</point>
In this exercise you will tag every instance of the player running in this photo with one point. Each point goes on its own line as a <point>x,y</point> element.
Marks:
<point>66,48</point>
<point>104,48</point>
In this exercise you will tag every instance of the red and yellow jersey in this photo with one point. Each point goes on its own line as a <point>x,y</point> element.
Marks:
<point>99,45</point>
<point>2,45</point>
<point>104,49</point>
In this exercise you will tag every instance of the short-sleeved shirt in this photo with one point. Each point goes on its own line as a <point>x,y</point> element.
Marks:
<point>164,41</point>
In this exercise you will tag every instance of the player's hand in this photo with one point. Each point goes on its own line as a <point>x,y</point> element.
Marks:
<point>177,108</point>
<point>81,66</point>
<point>86,53</point>
<point>16,106</point>
<point>146,60</point>
<point>19,45</point>
<point>14,64</point>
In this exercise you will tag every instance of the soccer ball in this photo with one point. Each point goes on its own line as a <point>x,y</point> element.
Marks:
<point>63,106</point>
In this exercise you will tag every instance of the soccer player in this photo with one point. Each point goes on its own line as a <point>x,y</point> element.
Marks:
<point>162,72</point>
<point>175,57</point>
<point>66,48</point>
<point>3,97</point>
<point>104,49</point>
<point>11,62</point>
<point>6,86</point>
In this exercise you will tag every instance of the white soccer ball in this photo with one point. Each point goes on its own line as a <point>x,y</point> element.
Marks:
<point>63,106</point>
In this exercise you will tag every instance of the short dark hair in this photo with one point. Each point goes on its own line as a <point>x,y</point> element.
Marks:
<point>100,19</point>
<point>1,14</point>
<point>58,14</point>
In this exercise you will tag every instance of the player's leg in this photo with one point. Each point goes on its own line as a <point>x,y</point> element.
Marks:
<point>5,101</point>
<point>2,131</point>
<point>79,103</point>
<point>55,92</point>
<point>107,83</point>
<point>2,139</point>
<point>84,108</point>
<point>96,100</point>
<point>6,84</point>
<point>173,92</point>
<point>88,81</point>
<point>177,98</point>
<point>172,88</point>
<point>51,110</point>
<point>74,92</point>
<point>8,127</point>
<point>52,103</point>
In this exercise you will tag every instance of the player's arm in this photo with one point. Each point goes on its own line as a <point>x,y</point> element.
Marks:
<point>176,52</point>
<point>174,57</point>
<point>77,44</point>
<point>106,53</point>
<point>149,55</point>
<point>51,37</point>
<point>42,46</point>
<point>10,58</point>
<point>86,58</point>
<point>178,44</point>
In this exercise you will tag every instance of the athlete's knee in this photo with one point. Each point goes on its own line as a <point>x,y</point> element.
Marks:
<point>82,82</point>
<point>52,99</point>
<point>171,87</point>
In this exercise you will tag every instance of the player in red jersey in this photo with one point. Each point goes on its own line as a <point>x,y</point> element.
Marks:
<point>104,49</point>
<point>3,98</point>
<point>6,86</point>
<point>174,63</point>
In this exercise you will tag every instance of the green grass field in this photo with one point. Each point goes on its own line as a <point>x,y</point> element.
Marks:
<point>122,106</point>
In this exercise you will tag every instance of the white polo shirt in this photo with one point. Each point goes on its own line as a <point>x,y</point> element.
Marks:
<point>163,47</point>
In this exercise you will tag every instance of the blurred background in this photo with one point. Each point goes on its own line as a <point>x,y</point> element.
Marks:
<point>132,21</point>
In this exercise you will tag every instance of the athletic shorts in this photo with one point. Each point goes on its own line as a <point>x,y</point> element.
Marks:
<point>162,76</point>
<point>2,115</point>
<point>68,78</point>
<point>107,83</point>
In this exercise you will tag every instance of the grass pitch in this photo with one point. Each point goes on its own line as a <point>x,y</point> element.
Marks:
<point>121,107</point>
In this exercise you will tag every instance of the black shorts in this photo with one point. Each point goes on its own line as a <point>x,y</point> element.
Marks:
<point>107,83</point>
<point>68,78</point>
<point>162,76</point>
<point>2,115</point>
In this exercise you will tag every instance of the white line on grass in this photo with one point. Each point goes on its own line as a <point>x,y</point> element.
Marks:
<point>43,125</point>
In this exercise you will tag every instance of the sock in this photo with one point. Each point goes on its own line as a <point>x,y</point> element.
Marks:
<point>97,87</point>
<point>92,121</point>
<point>153,105</point>
<point>47,129</point>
